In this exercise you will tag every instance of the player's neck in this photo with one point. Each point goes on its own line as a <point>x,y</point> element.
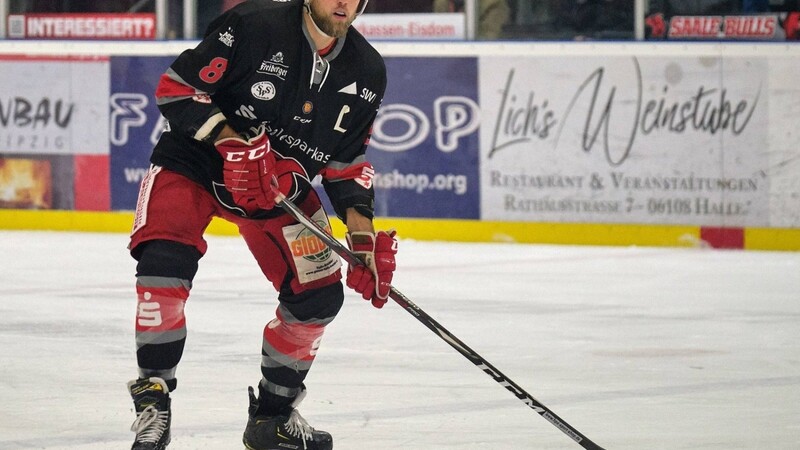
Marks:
<point>321,40</point>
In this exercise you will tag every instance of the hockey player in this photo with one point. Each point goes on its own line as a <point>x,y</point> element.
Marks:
<point>277,92</point>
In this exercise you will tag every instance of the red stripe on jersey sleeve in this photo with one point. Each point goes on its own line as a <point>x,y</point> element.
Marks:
<point>349,173</point>
<point>362,174</point>
<point>168,87</point>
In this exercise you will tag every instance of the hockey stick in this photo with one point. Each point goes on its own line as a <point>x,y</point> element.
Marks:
<point>437,328</point>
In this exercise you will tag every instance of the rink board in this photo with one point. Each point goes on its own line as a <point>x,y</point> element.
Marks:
<point>461,231</point>
<point>666,144</point>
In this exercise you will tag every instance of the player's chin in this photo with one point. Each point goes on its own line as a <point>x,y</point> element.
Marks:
<point>341,23</point>
<point>340,30</point>
<point>335,28</point>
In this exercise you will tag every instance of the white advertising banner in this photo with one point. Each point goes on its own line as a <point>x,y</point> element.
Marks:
<point>635,139</point>
<point>54,106</point>
<point>784,143</point>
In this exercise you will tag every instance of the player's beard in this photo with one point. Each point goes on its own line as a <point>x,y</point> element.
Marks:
<point>326,23</point>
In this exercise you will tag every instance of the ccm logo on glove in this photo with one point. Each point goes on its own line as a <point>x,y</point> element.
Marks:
<point>248,170</point>
<point>253,154</point>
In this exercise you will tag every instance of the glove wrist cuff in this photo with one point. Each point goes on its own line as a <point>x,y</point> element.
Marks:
<point>361,241</point>
<point>211,137</point>
<point>359,237</point>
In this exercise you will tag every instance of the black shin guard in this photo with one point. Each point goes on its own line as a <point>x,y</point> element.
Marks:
<point>163,264</point>
<point>162,258</point>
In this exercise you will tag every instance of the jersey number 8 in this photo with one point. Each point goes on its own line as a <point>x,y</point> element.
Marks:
<point>214,70</point>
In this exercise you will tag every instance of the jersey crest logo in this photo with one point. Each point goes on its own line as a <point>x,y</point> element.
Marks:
<point>263,90</point>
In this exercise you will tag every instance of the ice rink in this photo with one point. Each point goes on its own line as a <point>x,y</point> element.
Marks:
<point>637,348</point>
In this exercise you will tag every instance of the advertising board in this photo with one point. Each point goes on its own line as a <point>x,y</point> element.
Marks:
<point>54,142</point>
<point>629,139</point>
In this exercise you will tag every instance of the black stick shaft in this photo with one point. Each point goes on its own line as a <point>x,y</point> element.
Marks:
<point>441,331</point>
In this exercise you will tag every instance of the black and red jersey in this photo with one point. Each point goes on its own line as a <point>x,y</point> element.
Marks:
<point>258,65</point>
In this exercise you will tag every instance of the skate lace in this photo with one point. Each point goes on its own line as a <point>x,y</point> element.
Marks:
<point>298,427</point>
<point>150,424</point>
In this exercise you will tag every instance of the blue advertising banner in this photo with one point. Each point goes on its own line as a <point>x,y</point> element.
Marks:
<point>136,123</point>
<point>425,145</point>
<point>425,142</point>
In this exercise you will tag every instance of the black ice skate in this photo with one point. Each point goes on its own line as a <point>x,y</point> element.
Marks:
<point>153,416</point>
<point>287,431</point>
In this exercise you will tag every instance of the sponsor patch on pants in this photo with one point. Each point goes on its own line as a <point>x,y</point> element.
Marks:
<point>313,259</point>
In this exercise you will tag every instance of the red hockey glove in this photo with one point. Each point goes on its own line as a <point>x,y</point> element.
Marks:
<point>248,170</point>
<point>373,280</point>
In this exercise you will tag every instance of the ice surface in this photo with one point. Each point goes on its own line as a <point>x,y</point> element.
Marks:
<point>637,348</point>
